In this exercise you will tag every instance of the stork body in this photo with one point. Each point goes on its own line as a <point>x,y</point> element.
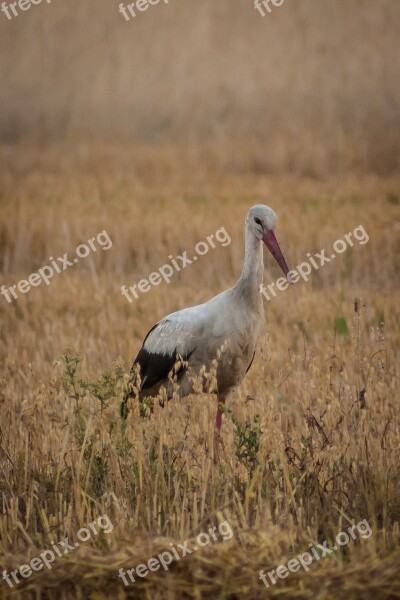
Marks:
<point>233,319</point>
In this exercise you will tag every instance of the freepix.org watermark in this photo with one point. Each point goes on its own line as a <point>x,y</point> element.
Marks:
<point>266,6</point>
<point>304,560</point>
<point>59,549</point>
<point>130,10</point>
<point>177,553</point>
<point>13,9</point>
<point>58,265</point>
<point>304,269</point>
<point>177,264</point>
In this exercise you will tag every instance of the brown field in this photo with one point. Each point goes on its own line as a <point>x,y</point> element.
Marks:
<point>314,86</point>
<point>304,454</point>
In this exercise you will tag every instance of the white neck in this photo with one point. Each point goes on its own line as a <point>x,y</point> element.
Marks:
<point>251,278</point>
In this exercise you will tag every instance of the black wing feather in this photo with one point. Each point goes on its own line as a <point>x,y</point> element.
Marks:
<point>155,367</point>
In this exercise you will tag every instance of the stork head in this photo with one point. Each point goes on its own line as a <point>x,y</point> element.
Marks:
<point>261,221</point>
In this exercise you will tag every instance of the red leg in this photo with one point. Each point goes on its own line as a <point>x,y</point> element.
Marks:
<point>218,423</point>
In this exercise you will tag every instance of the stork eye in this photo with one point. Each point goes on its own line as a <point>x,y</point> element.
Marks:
<point>258,221</point>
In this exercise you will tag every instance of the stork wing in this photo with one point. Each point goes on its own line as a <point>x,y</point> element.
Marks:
<point>177,334</point>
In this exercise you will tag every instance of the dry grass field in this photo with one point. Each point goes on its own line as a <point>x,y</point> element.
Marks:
<point>315,85</point>
<point>311,440</point>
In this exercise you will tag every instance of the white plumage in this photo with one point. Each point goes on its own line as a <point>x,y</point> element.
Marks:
<point>233,319</point>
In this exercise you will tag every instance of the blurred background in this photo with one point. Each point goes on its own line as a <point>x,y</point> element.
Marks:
<point>161,130</point>
<point>311,88</point>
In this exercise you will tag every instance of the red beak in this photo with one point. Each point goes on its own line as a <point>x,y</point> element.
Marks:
<point>271,242</point>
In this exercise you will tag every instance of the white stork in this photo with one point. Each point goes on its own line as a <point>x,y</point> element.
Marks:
<point>234,318</point>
